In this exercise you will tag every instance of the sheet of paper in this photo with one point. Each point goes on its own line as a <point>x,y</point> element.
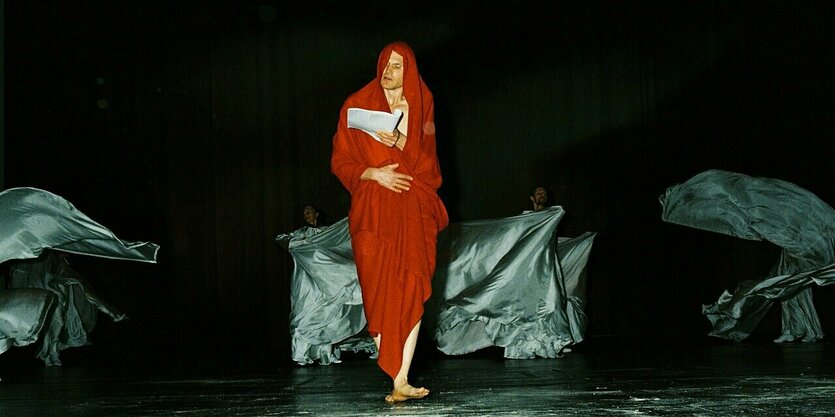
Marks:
<point>370,121</point>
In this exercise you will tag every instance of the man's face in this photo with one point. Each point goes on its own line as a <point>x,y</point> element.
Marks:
<point>540,196</point>
<point>309,214</point>
<point>393,73</point>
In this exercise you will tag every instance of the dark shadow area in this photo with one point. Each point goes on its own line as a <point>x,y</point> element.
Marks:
<point>206,126</point>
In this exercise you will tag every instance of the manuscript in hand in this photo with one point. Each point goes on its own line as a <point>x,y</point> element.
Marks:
<point>370,121</point>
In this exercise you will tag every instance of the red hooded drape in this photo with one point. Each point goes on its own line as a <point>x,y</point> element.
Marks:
<point>393,235</point>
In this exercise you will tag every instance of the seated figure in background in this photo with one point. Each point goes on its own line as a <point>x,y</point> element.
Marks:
<point>311,216</point>
<point>539,198</point>
<point>312,224</point>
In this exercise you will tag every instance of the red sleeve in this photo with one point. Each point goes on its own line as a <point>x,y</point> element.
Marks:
<point>345,164</point>
<point>427,167</point>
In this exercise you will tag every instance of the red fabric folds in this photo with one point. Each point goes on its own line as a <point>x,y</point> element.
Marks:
<point>393,235</point>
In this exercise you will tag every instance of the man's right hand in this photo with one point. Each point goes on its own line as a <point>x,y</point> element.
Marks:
<point>387,177</point>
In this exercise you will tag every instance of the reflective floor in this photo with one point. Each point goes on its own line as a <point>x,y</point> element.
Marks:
<point>603,376</point>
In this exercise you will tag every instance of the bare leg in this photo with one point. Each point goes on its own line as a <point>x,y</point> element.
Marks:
<point>402,390</point>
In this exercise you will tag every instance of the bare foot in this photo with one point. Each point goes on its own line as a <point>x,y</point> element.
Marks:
<point>406,392</point>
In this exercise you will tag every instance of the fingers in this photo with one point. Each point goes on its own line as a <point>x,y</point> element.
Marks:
<point>397,175</point>
<point>396,185</point>
<point>387,138</point>
<point>402,185</point>
<point>393,180</point>
<point>400,176</point>
<point>401,179</point>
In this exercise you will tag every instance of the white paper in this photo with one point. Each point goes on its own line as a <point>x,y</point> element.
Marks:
<point>370,121</point>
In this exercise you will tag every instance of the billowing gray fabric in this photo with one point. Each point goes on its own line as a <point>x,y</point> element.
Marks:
<point>48,301</point>
<point>499,282</point>
<point>572,255</point>
<point>76,311</point>
<point>23,314</point>
<point>32,220</point>
<point>762,209</point>
<point>326,314</point>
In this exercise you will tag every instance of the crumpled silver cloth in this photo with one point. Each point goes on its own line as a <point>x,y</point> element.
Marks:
<point>55,308</point>
<point>32,220</point>
<point>512,283</point>
<point>762,209</point>
<point>501,282</point>
<point>326,314</point>
<point>572,255</point>
<point>77,305</point>
<point>23,314</point>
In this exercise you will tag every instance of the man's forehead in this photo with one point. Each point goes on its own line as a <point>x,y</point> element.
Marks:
<point>395,57</point>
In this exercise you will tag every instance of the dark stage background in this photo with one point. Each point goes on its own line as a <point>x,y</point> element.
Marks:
<point>206,126</point>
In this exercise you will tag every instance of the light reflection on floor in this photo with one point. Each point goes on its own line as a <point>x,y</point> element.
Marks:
<point>605,377</point>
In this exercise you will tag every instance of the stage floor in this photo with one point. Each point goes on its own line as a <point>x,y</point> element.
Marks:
<point>603,376</point>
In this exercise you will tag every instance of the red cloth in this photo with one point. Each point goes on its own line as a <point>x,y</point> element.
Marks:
<point>393,235</point>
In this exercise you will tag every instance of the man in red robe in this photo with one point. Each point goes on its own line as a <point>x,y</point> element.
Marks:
<point>396,213</point>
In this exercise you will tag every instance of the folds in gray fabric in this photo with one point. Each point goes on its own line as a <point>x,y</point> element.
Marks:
<point>500,282</point>
<point>326,314</point>
<point>572,256</point>
<point>23,314</point>
<point>762,209</point>
<point>62,310</point>
<point>32,220</point>
<point>77,305</point>
<point>509,282</point>
<point>736,314</point>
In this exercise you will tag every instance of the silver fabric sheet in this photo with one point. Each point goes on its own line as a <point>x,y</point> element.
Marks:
<point>511,283</point>
<point>572,256</point>
<point>47,301</point>
<point>32,220</point>
<point>501,282</point>
<point>326,314</point>
<point>23,314</point>
<point>76,311</point>
<point>762,209</point>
